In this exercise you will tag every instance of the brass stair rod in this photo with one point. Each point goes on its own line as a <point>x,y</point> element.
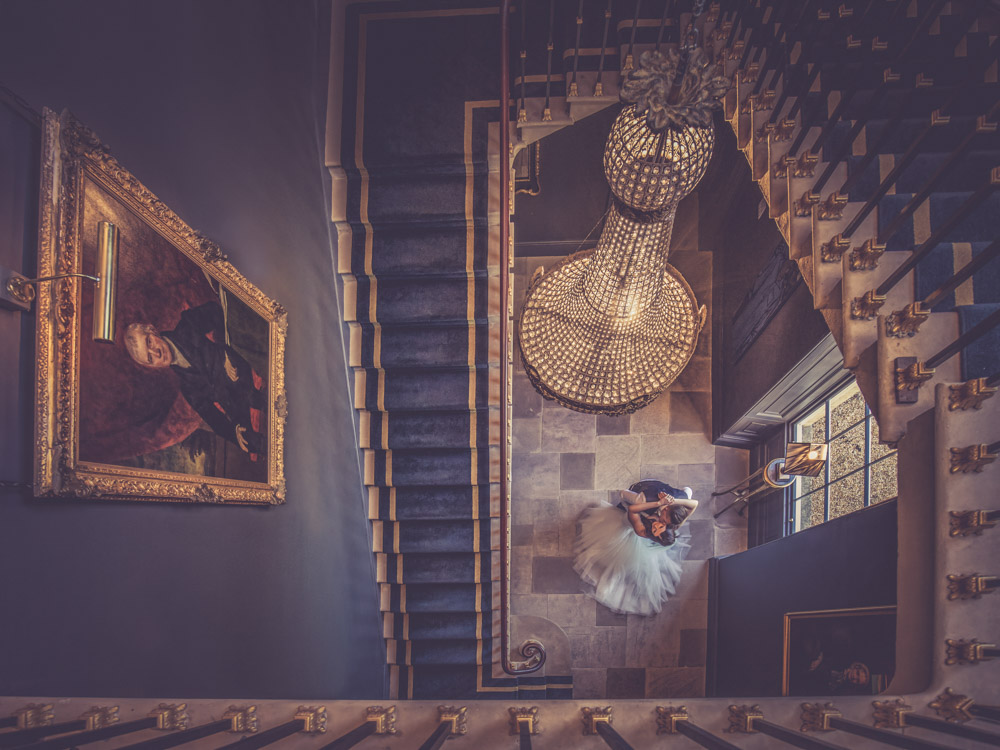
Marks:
<point>8,721</point>
<point>779,49</point>
<point>268,736</point>
<point>182,737</point>
<point>939,234</point>
<point>990,713</point>
<point>971,336</point>
<point>26,736</point>
<point>663,22</point>
<point>884,736</point>
<point>611,738</point>
<point>737,19</point>
<point>522,111</point>
<point>75,739</point>
<point>703,737</point>
<point>955,730</point>
<point>964,273</point>
<point>631,41</point>
<point>791,737</point>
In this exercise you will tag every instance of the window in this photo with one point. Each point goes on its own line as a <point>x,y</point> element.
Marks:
<point>860,471</point>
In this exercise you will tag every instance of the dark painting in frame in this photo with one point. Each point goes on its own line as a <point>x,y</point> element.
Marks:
<point>187,402</point>
<point>839,651</point>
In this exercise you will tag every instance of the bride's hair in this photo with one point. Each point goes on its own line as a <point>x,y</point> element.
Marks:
<point>677,515</point>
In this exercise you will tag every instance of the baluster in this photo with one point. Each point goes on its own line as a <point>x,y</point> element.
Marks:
<point>629,62</point>
<point>549,46</point>
<point>663,22</point>
<point>911,374</point>
<point>675,720</point>
<point>598,721</point>
<point>824,717</point>
<point>105,729</point>
<point>906,321</point>
<point>573,90</point>
<point>599,86</point>
<point>745,719</point>
<point>267,737</point>
<point>522,112</point>
<point>25,736</point>
<point>955,730</point>
<point>454,723</point>
<point>523,724</point>
<point>182,737</point>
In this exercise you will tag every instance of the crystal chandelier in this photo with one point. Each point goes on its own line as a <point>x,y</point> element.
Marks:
<point>607,330</point>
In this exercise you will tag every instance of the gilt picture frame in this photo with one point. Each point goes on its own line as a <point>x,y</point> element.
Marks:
<point>838,651</point>
<point>185,401</point>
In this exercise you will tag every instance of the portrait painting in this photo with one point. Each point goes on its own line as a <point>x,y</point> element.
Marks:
<point>839,651</point>
<point>185,400</point>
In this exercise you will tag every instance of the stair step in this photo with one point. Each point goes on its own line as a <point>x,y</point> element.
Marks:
<point>968,173</point>
<point>421,249</point>
<point>442,429</point>
<point>431,466</point>
<point>441,652</point>
<point>434,502</point>
<point>941,138</point>
<point>979,226</point>
<point>942,263</point>
<point>396,345</point>
<point>438,597</point>
<point>438,567</point>
<point>421,197</point>
<point>423,300</point>
<point>430,388</point>
<point>408,537</point>
<point>435,625</point>
<point>980,359</point>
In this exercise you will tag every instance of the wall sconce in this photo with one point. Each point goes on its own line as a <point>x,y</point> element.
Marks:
<point>18,292</point>
<point>800,460</point>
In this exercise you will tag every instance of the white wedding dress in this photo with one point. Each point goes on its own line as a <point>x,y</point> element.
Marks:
<point>625,572</point>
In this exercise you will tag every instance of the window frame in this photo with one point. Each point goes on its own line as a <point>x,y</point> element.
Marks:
<point>791,499</point>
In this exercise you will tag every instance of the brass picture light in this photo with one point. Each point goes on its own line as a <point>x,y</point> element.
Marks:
<point>18,292</point>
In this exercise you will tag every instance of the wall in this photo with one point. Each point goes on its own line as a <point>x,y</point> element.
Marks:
<point>216,106</point>
<point>844,563</point>
<point>742,241</point>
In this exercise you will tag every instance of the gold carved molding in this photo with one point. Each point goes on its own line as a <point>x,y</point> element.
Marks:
<point>384,718</point>
<point>970,586</point>
<point>523,715</point>
<point>816,716</point>
<point>457,717</point>
<point>34,715</point>
<point>242,720</point>
<point>313,719</point>
<point>952,706</point>
<point>961,651</point>
<point>594,715</point>
<point>72,157</point>
<point>99,717</point>
<point>890,714</point>
<point>965,522</point>
<point>741,718</point>
<point>170,717</point>
<point>667,718</point>
<point>971,458</point>
<point>969,395</point>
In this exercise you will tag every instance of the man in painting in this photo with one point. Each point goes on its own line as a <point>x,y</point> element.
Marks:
<point>218,383</point>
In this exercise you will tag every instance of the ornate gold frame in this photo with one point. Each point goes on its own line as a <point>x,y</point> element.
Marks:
<point>71,152</point>
<point>886,609</point>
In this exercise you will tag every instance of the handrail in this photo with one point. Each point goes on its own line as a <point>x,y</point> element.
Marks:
<point>530,650</point>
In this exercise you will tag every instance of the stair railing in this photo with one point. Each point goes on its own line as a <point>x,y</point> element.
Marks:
<point>533,651</point>
<point>599,86</point>
<point>549,46</point>
<point>573,90</point>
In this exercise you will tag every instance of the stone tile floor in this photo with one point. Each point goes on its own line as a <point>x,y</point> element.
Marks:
<point>564,461</point>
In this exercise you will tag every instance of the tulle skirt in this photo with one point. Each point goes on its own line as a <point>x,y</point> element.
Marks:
<point>625,572</point>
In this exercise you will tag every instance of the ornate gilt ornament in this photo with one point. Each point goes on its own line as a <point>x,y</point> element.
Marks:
<point>816,717</point>
<point>523,715</point>
<point>952,706</point>
<point>749,73</point>
<point>906,322</point>
<point>459,718</point>
<point>313,719</point>
<point>170,717</point>
<point>865,257</point>
<point>593,715</point>
<point>99,717</point>
<point>384,718</point>
<point>961,651</point>
<point>833,250</point>
<point>784,130</point>
<point>805,166</point>
<point>911,377</point>
<point>532,651</point>
<point>969,395</point>
<point>741,718</point>
<point>866,307</point>
<point>970,459</point>
<point>79,172</point>
<point>765,131</point>
<point>667,718</point>
<point>736,51</point>
<point>832,208</point>
<point>970,586</point>
<point>34,715</point>
<point>804,205</point>
<point>965,522</point>
<point>242,720</point>
<point>890,714</point>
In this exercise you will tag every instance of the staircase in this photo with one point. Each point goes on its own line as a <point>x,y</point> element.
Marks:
<point>871,129</point>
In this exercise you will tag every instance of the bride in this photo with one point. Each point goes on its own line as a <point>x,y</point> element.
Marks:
<point>630,555</point>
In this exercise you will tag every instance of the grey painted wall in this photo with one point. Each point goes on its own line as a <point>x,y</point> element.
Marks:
<point>217,106</point>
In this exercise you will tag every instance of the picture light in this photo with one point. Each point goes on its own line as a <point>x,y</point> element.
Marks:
<point>18,292</point>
